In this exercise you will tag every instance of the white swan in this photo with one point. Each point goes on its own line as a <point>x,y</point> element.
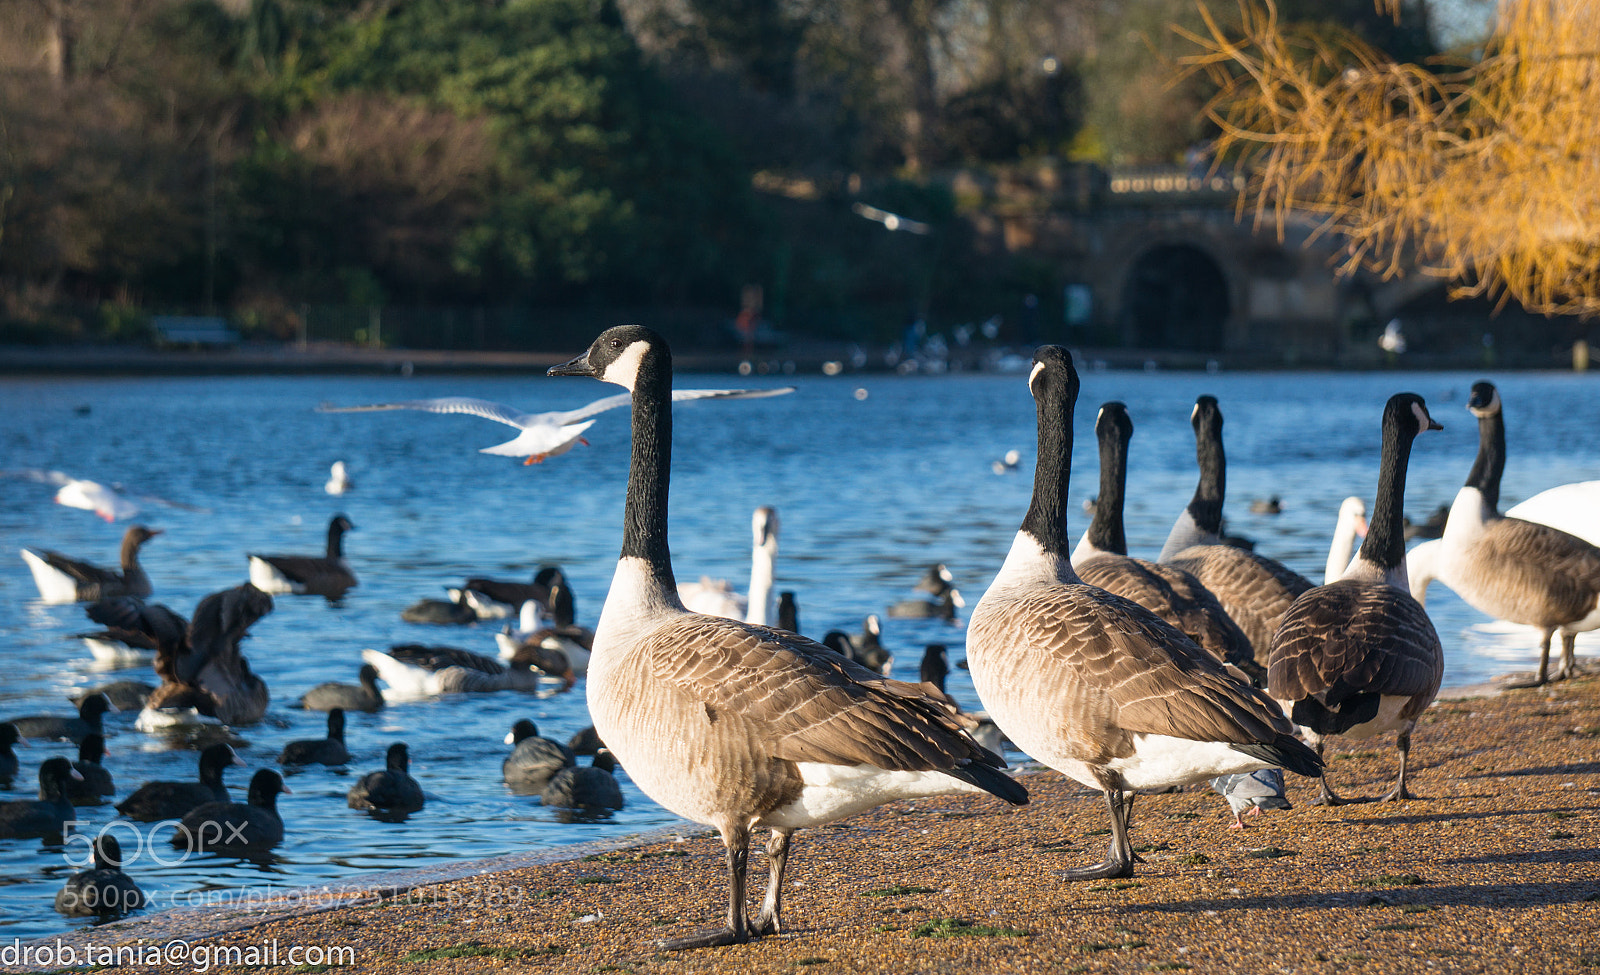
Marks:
<point>1352,524</point>
<point>717,598</point>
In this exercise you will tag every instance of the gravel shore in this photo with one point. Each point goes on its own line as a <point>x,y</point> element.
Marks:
<point>1496,869</point>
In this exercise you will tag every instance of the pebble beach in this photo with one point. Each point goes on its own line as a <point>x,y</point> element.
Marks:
<point>1497,869</point>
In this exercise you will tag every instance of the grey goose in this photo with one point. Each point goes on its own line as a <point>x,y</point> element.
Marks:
<point>1358,656</point>
<point>1095,685</point>
<point>327,575</point>
<point>734,725</point>
<point>206,673</point>
<point>62,579</point>
<point>1509,568</point>
<point>1101,559</point>
<point>1255,590</point>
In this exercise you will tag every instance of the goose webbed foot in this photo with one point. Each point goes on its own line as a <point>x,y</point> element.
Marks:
<point>715,938</point>
<point>1327,797</point>
<point>765,924</point>
<point>1523,681</point>
<point>1398,794</point>
<point>1120,858</point>
<point>1112,868</point>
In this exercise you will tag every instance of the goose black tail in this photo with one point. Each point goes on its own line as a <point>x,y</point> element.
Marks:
<point>991,780</point>
<point>1286,752</point>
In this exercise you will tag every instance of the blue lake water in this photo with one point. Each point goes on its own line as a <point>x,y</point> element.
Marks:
<point>870,491</point>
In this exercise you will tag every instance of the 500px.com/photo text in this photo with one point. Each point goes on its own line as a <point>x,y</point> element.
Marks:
<point>194,957</point>
<point>290,898</point>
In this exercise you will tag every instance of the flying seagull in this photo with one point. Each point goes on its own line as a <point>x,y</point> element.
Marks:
<point>544,434</point>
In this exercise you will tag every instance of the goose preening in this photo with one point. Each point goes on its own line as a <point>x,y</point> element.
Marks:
<point>1095,685</point>
<point>533,759</point>
<point>47,816</point>
<point>717,598</point>
<point>134,630</point>
<point>391,790</point>
<point>338,479</point>
<point>865,648</point>
<point>247,828</point>
<point>1254,590</point>
<point>67,580</point>
<point>94,781</point>
<point>734,725</point>
<point>544,435</point>
<point>1512,569</point>
<point>205,677</point>
<point>103,890</point>
<point>365,696</point>
<point>1350,525</point>
<point>89,721</point>
<point>1250,792</point>
<point>318,575</point>
<point>591,789</point>
<point>329,750</point>
<point>1358,656</point>
<point>9,738</point>
<point>158,800</point>
<point>414,671</point>
<point>1101,559</point>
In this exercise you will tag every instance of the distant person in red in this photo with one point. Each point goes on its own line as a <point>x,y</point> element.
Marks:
<point>746,324</point>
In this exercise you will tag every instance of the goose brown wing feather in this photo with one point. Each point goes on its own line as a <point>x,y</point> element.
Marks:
<point>1353,637</point>
<point>318,574</point>
<point>1177,597</point>
<point>812,704</point>
<point>86,573</point>
<point>1118,662</point>
<point>1255,591</point>
<point>438,658</point>
<point>1552,575</point>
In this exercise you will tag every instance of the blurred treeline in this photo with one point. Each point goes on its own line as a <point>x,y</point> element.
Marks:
<point>248,156</point>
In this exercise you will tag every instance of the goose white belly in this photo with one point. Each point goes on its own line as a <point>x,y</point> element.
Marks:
<point>833,792</point>
<point>405,681</point>
<point>54,585</point>
<point>266,577</point>
<point>113,654</point>
<point>1162,761</point>
<point>152,720</point>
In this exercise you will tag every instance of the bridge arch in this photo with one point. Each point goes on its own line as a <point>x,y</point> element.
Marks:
<point>1176,295</point>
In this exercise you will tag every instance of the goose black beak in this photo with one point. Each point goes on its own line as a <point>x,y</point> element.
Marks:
<point>574,367</point>
<point>1434,424</point>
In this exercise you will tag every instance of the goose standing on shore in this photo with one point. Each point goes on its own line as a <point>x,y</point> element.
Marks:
<point>740,726</point>
<point>1511,569</point>
<point>1358,656</point>
<point>1255,590</point>
<point>325,575</point>
<point>67,580</point>
<point>1095,685</point>
<point>1101,559</point>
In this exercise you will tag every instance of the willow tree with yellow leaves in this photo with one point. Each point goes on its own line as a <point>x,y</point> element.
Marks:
<point>1484,173</point>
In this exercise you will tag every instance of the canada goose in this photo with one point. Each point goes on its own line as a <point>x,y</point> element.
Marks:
<point>1101,559</point>
<point>94,782</point>
<point>133,630</point>
<point>207,671</point>
<point>366,697</point>
<point>454,611</point>
<point>1359,657</point>
<point>533,759</point>
<point>247,828</point>
<point>1512,569</point>
<point>47,816</point>
<point>592,789</point>
<point>734,725</point>
<point>717,598</point>
<point>415,671</point>
<point>338,479</point>
<point>66,580</point>
<point>508,597</point>
<point>1268,506</point>
<point>1351,524</point>
<point>1095,685</point>
<point>90,721</point>
<point>158,800</point>
<point>544,435</point>
<point>788,612</point>
<point>327,575</point>
<point>1250,792</point>
<point>1254,590</point>
<point>391,789</point>
<point>104,890</point>
<point>1574,508</point>
<point>8,756</point>
<point>319,751</point>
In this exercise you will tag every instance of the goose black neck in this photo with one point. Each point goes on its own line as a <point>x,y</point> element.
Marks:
<point>130,551</point>
<point>1491,460</point>
<point>1046,520</point>
<point>1106,531</point>
<point>1386,542</point>
<point>1206,505</point>
<point>644,533</point>
<point>335,540</point>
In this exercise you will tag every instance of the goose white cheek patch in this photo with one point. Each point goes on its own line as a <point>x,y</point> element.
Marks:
<point>624,371</point>
<point>1038,367</point>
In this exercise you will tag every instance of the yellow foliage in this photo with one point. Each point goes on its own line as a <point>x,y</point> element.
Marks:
<point>1487,174</point>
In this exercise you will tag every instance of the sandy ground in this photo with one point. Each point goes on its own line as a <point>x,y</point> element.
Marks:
<point>1496,869</point>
